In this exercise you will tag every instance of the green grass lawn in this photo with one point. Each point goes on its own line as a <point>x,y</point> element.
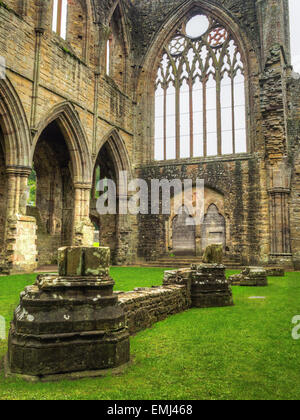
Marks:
<point>240,352</point>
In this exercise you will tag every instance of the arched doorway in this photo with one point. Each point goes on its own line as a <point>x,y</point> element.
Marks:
<point>115,229</point>
<point>184,233</point>
<point>53,205</point>
<point>107,224</point>
<point>213,228</point>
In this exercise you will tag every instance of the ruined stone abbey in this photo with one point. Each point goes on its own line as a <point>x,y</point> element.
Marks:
<point>164,89</point>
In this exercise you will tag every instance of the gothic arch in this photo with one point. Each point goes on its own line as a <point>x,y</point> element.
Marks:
<point>213,227</point>
<point>89,12</point>
<point>14,126</point>
<point>191,7</point>
<point>75,137</point>
<point>126,37</point>
<point>145,80</point>
<point>118,150</point>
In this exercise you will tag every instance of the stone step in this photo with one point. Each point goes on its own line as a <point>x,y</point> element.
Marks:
<point>178,263</point>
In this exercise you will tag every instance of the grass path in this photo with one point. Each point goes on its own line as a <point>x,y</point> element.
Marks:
<point>243,352</point>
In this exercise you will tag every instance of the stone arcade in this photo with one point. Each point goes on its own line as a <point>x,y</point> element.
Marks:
<point>96,95</point>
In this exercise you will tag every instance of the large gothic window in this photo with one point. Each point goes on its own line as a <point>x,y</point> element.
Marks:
<point>200,93</point>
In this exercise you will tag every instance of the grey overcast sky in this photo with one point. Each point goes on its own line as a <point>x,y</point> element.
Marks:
<point>295,33</point>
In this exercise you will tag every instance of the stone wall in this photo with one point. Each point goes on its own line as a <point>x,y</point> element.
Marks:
<point>50,79</point>
<point>145,307</point>
<point>241,184</point>
<point>202,286</point>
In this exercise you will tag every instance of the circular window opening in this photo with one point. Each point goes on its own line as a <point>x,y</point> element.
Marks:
<point>197,26</point>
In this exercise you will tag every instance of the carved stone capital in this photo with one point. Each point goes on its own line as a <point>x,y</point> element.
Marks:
<point>23,171</point>
<point>82,186</point>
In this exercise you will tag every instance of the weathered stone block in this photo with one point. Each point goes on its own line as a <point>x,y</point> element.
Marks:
<point>97,261</point>
<point>275,272</point>
<point>250,276</point>
<point>82,261</point>
<point>210,287</point>
<point>206,284</point>
<point>213,254</point>
<point>74,262</point>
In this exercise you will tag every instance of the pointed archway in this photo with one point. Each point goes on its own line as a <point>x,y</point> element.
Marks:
<point>62,168</point>
<point>184,233</point>
<point>74,134</point>
<point>213,228</point>
<point>111,162</point>
<point>17,232</point>
<point>15,129</point>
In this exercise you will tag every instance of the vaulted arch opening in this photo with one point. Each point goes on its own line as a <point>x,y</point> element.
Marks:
<point>116,50</point>
<point>53,203</point>
<point>105,169</point>
<point>112,162</point>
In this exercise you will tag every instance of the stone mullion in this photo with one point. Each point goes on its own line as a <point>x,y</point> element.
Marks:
<point>219,122</point>
<point>204,119</point>
<point>191,118</point>
<point>233,114</point>
<point>177,118</point>
<point>59,17</point>
<point>165,122</point>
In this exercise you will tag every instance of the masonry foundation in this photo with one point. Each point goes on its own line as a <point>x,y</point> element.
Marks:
<point>70,323</point>
<point>250,276</point>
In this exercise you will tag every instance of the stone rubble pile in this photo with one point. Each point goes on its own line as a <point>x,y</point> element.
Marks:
<point>250,276</point>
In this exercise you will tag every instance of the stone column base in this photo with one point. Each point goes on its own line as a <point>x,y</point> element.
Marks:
<point>64,376</point>
<point>282,260</point>
<point>71,323</point>
<point>207,285</point>
<point>210,287</point>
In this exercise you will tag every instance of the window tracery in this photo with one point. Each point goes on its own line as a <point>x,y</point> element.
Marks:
<point>200,105</point>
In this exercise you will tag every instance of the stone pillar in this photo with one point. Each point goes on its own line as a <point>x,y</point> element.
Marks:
<point>123,232</point>
<point>20,252</point>
<point>206,284</point>
<point>70,326</point>
<point>279,192</point>
<point>209,286</point>
<point>83,231</point>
